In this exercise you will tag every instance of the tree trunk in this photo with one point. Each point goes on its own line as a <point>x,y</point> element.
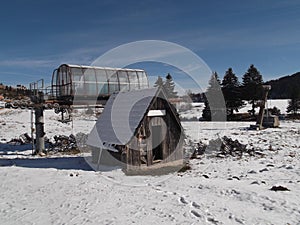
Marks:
<point>253,108</point>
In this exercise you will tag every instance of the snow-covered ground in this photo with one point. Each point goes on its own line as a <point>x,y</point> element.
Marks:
<point>64,190</point>
<point>281,104</point>
<point>196,111</point>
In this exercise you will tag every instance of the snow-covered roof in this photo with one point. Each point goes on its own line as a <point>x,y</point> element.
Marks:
<point>121,116</point>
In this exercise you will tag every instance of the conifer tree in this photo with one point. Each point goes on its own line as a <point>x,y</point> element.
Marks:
<point>206,114</point>
<point>214,101</point>
<point>159,82</point>
<point>252,87</point>
<point>294,102</point>
<point>231,92</point>
<point>169,87</point>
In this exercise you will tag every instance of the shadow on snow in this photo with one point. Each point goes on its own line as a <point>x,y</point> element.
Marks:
<point>64,163</point>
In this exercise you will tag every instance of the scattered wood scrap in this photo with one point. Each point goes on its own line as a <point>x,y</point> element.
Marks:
<point>63,143</point>
<point>224,147</point>
<point>21,140</point>
<point>231,147</point>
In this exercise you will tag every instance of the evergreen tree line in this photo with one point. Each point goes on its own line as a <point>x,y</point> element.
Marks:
<point>236,93</point>
<point>229,95</point>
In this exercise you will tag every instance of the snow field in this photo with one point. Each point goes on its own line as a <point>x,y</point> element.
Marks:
<point>63,190</point>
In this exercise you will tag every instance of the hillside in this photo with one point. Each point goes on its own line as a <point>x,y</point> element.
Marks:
<point>10,92</point>
<point>285,87</point>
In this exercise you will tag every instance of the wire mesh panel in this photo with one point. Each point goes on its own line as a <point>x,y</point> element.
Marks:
<point>123,80</point>
<point>113,81</point>
<point>63,81</point>
<point>143,80</point>
<point>90,82</point>
<point>77,82</point>
<point>134,80</point>
<point>102,81</point>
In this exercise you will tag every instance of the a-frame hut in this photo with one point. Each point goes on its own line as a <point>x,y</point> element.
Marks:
<point>140,129</point>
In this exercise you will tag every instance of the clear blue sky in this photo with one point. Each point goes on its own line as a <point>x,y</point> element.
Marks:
<point>38,36</point>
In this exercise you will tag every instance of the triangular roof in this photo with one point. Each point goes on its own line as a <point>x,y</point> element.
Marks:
<point>121,116</point>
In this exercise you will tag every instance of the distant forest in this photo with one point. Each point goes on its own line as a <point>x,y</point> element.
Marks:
<point>282,88</point>
<point>285,87</point>
<point>252,89</point>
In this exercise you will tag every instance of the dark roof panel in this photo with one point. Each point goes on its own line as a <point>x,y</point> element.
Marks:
<point>122,114</point>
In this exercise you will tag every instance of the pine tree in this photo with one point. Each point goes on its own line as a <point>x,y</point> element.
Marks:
<point>293,106</point>
<point>169,87</point>
<point>294,102</point>
<point>159,82</point>
<point>206,114</point>
<point>214,101</point>
<point>214,84</point>
<point>231,92</point>
<point>252,86</point>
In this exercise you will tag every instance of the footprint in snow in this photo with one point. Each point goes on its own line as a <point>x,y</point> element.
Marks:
<point>289,167</point>
<point>264,170</point>
<point>255,182</point>
<point>182,200</point>
<point>195,213</point>
<point>252,171</point>
<point>194,204</point>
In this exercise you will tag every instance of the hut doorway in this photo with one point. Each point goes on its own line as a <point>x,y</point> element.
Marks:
<point>157,152</point>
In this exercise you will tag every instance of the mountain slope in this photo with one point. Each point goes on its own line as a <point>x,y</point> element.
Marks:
<point>285,87</point>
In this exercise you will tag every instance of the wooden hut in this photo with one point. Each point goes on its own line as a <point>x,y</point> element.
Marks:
<point>140,129</point>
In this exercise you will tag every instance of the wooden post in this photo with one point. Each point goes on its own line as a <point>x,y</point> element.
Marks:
<point>32,130</point>
<point>266,89</point>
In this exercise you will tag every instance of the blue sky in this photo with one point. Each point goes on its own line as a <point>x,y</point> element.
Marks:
<point>38,36</point>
